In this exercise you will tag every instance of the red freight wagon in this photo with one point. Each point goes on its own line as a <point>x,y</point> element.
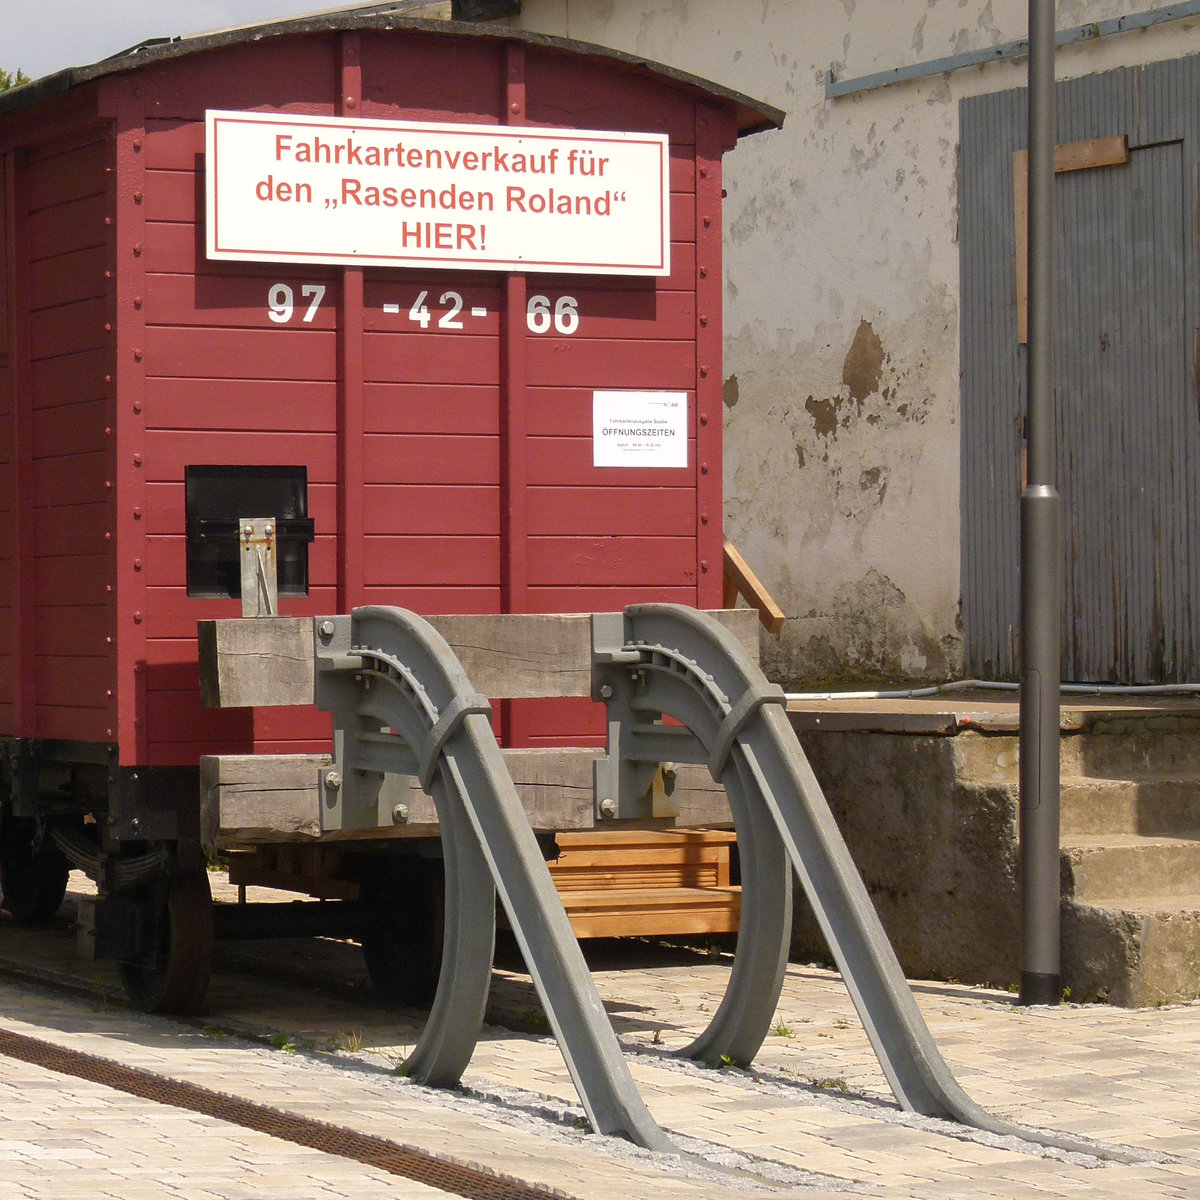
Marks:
<point>404,366</point>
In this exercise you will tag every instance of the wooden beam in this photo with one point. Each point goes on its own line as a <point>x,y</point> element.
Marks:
<point>268,661</point>
<point>252,798</point>
<point>741,581</point>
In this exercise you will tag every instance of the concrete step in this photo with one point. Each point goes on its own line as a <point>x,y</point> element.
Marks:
<point>1151,748</point>
<point>1108,868</point>
<point>1139,951</point>
<point>1138,806</point>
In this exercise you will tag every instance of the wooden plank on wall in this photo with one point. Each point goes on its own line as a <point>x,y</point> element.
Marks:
<point>1075,156</point>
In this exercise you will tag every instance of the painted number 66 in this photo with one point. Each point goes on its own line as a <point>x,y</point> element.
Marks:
<point>564,317</point>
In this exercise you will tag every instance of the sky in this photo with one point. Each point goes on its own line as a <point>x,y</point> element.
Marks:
<point>43,36</point>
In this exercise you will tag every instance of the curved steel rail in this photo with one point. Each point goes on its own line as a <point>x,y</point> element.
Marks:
<point>681,663</point>
<point>402,703</point>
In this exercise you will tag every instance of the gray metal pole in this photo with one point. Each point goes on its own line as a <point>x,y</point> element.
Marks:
<point>1041,551</point>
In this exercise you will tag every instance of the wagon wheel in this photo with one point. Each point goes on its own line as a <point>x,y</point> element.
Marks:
<point>34,882</point>
<point>172,975</point>
<point>402,940</point>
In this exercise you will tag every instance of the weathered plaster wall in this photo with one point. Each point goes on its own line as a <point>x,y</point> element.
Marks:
<point>841,321</point>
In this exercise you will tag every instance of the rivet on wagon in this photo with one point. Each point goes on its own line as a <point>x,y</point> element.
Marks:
<point>704,565</point>
<point>137,564</point>
<point>351,102</point>
<point>704,518</point>
<point>137,197</point>
<point>707,222</point>
<point>137,302</point>
<point>137,513</point>
<point>400,814</point>
<point>137,356</point>
<point>137,618</point>
<point>703,372</point>
<point>704,418</point>
<point>704,468</point>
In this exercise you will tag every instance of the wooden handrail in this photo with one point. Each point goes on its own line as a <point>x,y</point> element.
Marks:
<point>739,580</point>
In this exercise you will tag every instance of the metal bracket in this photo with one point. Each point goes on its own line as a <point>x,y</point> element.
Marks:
<point>635,780</point>
<point>260,588</point>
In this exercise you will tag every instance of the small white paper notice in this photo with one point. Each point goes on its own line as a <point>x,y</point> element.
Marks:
<point>639,429</point>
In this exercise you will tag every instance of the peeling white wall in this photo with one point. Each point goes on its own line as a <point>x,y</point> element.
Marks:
<point>841,315</point>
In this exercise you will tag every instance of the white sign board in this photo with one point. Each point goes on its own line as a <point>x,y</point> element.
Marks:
<point>639,429</point>
<point>401,193</point>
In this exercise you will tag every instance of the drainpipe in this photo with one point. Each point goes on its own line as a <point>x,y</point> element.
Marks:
<point>1041,556</point>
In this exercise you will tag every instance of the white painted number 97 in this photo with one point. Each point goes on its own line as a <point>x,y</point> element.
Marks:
<point>281,302</point>
<point>564,318</point>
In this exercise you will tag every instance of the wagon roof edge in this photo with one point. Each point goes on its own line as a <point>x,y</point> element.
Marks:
<point>753,116</point>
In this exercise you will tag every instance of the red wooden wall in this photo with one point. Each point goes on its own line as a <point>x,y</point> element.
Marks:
<point>449,469</point>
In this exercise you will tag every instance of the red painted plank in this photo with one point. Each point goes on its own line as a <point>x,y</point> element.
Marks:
<point>70,379</point>
<point>612,364</point>
<point>70,429</point>
<point>431,561</point>
<point>173,248</point>
<point>612,313</point>
<point>180,717</point>
<point>596,561</point>
<point>246,76</point>
<point>446,303</point>
<point>70,479</point>
<point>175,195</point>
<point>71,724</point>
<point>431,358</point>
<point>166,507</point>
<point>61,171</point>
<point>82,630</point>
<point>201,405</point>
<point>245,301</point>
<point>79,681</point>
<point>168,452</point>
<point>281,725</point>
<point>668,512</point>
<point>567,412</point>
<point>426,78</point>
<point>79,575</point>
<point>67,277</point>
<point>567,461</point>
<point>166,562</point>
<point>71,529</point>
<point>414,408</point>
<point>395,458</point>
<point>68,328</point>
<point>283,354</point>
<point>173,145</point>
<point>432,509</point>
<point>73,225</point>
<point>607,598</point>
<point>172,614</point>
<point>434,600</point>
<point>566,91</point>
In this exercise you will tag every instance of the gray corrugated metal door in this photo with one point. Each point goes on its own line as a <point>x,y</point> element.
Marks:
<point>1128,427</point>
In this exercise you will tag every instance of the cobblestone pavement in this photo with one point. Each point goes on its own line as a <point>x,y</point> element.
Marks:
<point>813,1118</point>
